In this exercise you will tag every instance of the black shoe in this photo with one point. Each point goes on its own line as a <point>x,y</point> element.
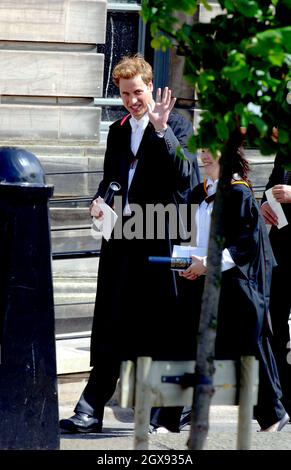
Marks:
<point>81,423</point>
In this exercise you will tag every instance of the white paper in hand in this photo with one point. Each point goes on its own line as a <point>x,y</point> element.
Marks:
<point>106,225</point>
<point>277,208</point>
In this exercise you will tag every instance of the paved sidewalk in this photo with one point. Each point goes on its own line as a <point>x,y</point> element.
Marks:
<point>118,430</point>
<point>118,433</point>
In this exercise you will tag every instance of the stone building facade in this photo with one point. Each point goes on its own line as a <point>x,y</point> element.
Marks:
<point>57,100</point>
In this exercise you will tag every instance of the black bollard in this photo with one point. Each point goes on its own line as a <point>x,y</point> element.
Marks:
<point>28,379</point>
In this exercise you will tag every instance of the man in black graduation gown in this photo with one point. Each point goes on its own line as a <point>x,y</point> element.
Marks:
<point>136,303</point>
<point>280,297</point>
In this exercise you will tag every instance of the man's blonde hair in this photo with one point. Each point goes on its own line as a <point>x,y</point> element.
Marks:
<point>130,66</point>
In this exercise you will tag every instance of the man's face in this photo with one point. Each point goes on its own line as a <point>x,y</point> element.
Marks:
<point>136,95</point>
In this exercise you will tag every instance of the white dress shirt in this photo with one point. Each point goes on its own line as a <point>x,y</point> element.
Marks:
<point>203,220</point>
<point>137,131</point>
<point>137,128</point>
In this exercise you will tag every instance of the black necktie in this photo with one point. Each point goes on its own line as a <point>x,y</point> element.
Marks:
<point>210,198</point>
<point>210,193</point>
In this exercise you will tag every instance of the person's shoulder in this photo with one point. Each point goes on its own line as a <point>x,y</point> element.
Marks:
<point>241,192</point>
<point>241,185</point>
<point>281,159</point>
<point>119,123</point>
<point>177,118</point>
<point>180,124</point>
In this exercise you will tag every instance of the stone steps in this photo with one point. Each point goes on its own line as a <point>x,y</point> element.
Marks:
<point>59,148</point>
<point>75,269</point>
<point>69,298</point>
<point>73,358</point>
<point>74,282</point>
<point>75,286</point>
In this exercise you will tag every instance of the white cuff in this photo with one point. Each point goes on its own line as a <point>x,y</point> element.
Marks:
<point>161,133</point>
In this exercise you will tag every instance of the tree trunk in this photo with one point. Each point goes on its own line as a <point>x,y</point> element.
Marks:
<point>204,368</point>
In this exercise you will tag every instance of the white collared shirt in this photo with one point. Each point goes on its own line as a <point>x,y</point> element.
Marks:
<point>137,130</point>
<point>203,220</point>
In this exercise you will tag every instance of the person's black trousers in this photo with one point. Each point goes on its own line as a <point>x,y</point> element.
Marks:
<point>280,305</point>
<point>269,409</point>
<point>100,388</point>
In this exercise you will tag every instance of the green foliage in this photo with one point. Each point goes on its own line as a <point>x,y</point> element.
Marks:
<point>213,324</point>
<point>239,65</point>
<point>180,153</point>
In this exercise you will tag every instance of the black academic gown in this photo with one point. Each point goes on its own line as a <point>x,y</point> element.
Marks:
<point>280,297</point>
<point>244,295</point>
<point>243,324</point>
<point>136,303</point>
<point>280,238</point>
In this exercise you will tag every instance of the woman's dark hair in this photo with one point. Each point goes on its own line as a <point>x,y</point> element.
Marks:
<point>241,165</point>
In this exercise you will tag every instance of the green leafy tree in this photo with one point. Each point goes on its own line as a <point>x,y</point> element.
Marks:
<point>239,67</point>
